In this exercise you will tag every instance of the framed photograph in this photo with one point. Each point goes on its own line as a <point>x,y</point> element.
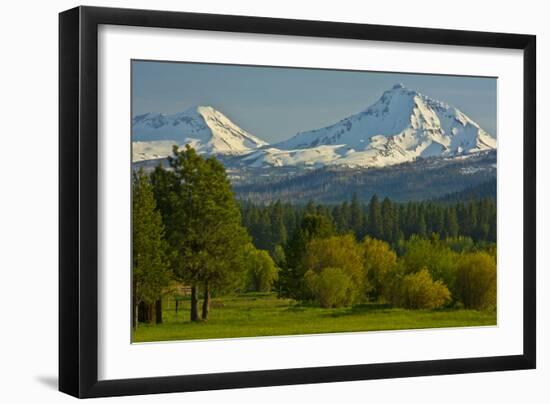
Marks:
<point>251,201</point>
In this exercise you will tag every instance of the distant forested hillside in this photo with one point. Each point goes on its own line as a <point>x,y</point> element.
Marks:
<point>486,189</point>
<point>421,180</point>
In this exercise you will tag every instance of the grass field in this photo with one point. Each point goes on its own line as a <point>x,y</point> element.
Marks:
<point>263,314</point>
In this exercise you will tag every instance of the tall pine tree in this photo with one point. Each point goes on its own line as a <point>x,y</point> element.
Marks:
<point>208,238</point>
<point>375,225</point>
<point>149,270</point>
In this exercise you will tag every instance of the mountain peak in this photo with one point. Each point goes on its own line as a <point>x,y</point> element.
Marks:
<point>400,126</point>
<point>202,127</point>
<point>192,111</point>
<point>205,109</point>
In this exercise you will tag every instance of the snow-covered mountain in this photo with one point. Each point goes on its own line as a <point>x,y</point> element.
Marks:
<point>202,127</point>
<point>400,127</point>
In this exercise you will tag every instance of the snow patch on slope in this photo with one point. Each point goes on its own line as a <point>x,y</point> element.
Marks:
<point>312,157</point>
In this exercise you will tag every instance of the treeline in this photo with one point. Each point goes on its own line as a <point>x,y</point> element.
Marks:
<point>418,255</point>
<point>337,270</point>
<point>271,225</point>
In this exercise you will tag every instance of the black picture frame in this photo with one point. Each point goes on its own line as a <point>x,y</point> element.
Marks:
<point>78,201</point>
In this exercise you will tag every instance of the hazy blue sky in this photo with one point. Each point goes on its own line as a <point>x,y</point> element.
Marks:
<point>276,103</point>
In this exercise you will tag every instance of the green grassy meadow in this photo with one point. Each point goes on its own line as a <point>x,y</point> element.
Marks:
<point>262,314</point>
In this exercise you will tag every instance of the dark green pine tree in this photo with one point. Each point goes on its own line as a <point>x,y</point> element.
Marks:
<point>410,219</point>
<point>345,211</point>
<point>337,219</point>
<point>451,223</point>
<point>421,227</point>
<point>471,220</point>
<point>208,238</point>
<point>375,225</point>
<point>388,220</point>
<point>484,220</point>
<point>165,186</point>
<point>438,221</point>
<point>150,274</point>
<point>357,217</point>
<point>399,233</point>
<point>461,218</point>
<point>262,231</point>
<point>279,233</point>
<point>291,277</point>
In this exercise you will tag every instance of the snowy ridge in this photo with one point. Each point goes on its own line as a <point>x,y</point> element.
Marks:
<point>401,126</point>
<point>312,157</point>
<point>202,127</point>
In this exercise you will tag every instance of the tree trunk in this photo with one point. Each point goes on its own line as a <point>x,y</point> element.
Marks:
<point>134,306</point>
<point>194,304</point>
<point>158,310</point>
<point>144,312</point>
<point>151,313</point>
<point>135,316</point>
<point>206,302</point>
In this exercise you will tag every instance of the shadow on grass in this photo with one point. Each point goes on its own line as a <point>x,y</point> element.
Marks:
<point>302,306</point>
<point>360,309</point>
